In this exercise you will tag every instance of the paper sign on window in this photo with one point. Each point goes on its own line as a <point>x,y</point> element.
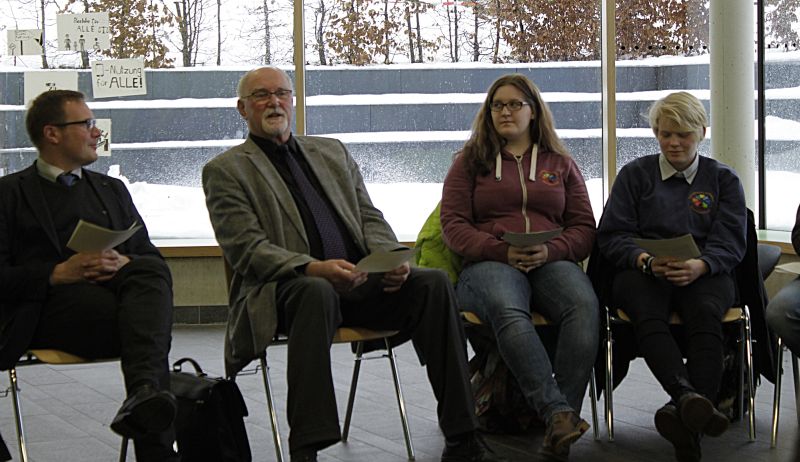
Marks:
<point>24,42</point>
<point>104,142</point>
<point>118,77</point>
<point>83,32</point>
<point>37,82</point>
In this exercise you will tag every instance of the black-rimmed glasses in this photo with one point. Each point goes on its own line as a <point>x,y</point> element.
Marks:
<point>513,106</point>
<point>263,95</point>
<point>88,123</point>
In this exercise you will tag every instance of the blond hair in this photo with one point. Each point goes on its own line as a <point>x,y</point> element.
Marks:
<point>683,110</point>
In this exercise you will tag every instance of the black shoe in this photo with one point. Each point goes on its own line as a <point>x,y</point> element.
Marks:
<point>146,410</point>
<point>470,449</point>
<point>671,427</point>
<point>701,416</point>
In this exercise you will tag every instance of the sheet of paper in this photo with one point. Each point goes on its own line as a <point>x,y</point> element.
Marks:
<point>793,267</point>
<point>381,262</point>
<point>528,239</point>
<point>682,248</point>
<point>89,237</point>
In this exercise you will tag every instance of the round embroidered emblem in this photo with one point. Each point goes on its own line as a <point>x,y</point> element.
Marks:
<point>549,178</point>
<point>701,202</point>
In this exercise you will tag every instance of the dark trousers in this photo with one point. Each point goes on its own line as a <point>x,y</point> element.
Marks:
<point>129,316</point>
<point>648,301</point>
<point>424,310</point>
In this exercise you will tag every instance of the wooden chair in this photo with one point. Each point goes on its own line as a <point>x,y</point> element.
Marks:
<point>538,320</point>
<point>739,315</point>
<point>776,400</point>
<point>43,356</point>
<point>351,335</point>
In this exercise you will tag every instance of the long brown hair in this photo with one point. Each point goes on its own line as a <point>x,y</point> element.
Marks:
<point>484,143</point>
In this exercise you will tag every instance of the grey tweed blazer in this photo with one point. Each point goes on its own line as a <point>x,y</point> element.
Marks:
<point>261,233</point>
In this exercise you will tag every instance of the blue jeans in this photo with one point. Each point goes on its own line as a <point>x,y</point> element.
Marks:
<point>783,315</point>
<point>560,291</point>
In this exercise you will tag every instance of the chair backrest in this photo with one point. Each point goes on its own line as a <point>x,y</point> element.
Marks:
<point>768,256</point>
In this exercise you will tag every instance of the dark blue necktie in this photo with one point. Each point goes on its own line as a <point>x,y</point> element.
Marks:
<point>332,242</point>
<point>67,179</point>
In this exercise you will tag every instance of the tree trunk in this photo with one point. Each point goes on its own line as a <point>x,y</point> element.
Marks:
<point>496,50</point>
<point>44,48</point>
<point>455,32</point>
<point>320,33</point>
<point>475,51</point>
<point>84,53</point>
<point>267,48</point>
<point>419,34</point>
<point>410,35</point>
<point>386,31</point>
<point>219,32</point>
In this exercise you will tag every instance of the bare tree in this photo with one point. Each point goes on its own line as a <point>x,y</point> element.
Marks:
<point>190,18</point>
<point>321,18</point>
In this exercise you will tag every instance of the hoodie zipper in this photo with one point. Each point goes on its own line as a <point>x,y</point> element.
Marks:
<point>524,193</point>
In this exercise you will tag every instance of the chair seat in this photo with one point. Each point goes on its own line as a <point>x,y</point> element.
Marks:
<point>472,318</point>
<point>732,315</point>
<point>58,357</point>
<point>361,334</point>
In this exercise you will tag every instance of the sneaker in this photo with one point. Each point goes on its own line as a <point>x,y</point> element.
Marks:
<point>671,427</point>
<point>701,416</point>
<point>470,449</point>
<point>563,429</point>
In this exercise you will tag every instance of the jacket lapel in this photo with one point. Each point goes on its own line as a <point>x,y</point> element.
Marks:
<point>32,192</point>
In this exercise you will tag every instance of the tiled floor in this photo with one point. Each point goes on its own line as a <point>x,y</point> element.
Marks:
<point>67,410</point>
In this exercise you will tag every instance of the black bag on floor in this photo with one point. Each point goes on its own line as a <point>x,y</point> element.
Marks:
<point>210,421</point>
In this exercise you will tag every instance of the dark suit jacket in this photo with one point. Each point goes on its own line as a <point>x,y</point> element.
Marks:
<point>29,250</point>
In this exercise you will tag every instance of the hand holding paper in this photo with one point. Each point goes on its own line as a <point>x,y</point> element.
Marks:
<point>680,248</point>
<point>529,239</point>
<point>384,261</point>
<point>88,237</point>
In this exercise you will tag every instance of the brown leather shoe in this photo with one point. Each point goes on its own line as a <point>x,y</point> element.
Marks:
<point>563,429</point>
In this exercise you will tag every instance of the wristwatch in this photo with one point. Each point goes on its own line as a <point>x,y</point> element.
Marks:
<point>647,266</point>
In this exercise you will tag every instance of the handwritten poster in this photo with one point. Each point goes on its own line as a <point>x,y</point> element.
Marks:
<point>24,42</point>
<point>83,32</point>
<point>104,142</point>
<point>37,82</point>
<point>118,77</point>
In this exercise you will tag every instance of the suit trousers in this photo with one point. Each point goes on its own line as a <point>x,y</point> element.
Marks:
<point>129,316</point>
<point>701,305</point>
<point>424,310</point>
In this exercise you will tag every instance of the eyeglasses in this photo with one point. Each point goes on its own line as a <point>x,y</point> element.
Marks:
<point>260,96</point>
<point>88,123</point>
<point>513,106</point>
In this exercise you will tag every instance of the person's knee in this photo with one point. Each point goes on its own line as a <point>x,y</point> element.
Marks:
<point>776,314</point>
<point>146,267</point>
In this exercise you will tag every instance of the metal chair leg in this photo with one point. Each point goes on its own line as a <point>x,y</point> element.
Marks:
<point>276,433</point>
<point>776,396</point>
<point>353,384</point>
<point>401,404</point>
<point>609,387</point>
<point>23,450</point>
<point>796,374</point>
<point>123,450</point>
<point>751,386</point>
<point>593,396</point>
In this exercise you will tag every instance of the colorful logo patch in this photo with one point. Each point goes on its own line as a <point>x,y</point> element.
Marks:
<point>549,178</point>
<point>701,202</point>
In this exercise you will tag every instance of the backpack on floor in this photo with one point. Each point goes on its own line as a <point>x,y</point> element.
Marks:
<point>499,403</point>
<point>210,420</point>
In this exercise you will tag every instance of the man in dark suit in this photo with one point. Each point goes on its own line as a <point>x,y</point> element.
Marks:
<point>293,216</point>
<point>116,302</point>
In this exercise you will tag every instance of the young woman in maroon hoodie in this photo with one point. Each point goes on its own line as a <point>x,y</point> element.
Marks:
<point>514,175</point>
